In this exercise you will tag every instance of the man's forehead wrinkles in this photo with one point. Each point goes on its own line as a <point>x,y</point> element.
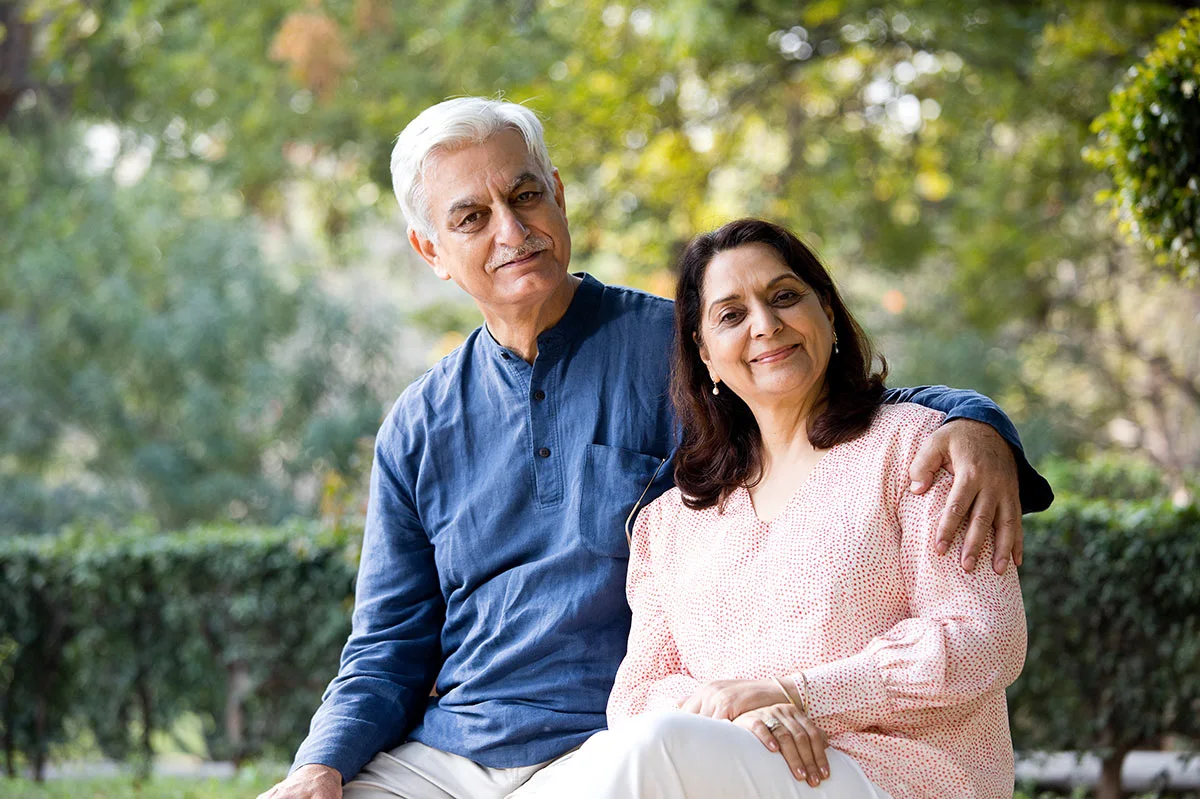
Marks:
<point>472,200</point>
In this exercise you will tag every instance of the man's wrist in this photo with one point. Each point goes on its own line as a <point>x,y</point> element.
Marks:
<point>319,771</point>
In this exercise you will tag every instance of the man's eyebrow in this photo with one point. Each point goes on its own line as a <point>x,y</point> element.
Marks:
<point>736,296</point>
<point>524,177</point>
<point>461,205</point>
<point>471,202</point>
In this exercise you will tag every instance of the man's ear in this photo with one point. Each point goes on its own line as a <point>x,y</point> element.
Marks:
<point>428,251</point>
<point>560,194</point>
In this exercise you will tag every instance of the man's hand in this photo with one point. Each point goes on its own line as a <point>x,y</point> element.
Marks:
<point>728,699</point>
<point>985,489</point>
<point>308,782</point>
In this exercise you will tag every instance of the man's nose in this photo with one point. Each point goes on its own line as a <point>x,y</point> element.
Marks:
<point>511,231</point>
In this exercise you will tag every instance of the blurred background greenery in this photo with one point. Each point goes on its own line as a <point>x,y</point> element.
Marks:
<point>207,302</point>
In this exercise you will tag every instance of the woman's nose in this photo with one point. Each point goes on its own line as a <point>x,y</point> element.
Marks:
<point>764,322</point>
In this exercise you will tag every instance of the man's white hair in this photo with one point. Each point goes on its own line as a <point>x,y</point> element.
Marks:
<point>448,126</point>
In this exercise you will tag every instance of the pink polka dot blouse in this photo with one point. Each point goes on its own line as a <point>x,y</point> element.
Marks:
<point>906,655</point>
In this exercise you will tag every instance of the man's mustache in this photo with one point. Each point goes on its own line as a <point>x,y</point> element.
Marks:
<point>532,245</point>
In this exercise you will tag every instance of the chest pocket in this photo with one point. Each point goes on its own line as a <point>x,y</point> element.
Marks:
<point>614,482</point>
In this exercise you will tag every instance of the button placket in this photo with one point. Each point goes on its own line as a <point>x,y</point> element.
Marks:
<point>547,461</point>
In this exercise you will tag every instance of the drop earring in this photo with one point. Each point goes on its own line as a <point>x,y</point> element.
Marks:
<point>716,389</point>
<point>835,346</point>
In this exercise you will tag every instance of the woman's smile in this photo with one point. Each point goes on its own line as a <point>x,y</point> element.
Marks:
<point>775,355</point>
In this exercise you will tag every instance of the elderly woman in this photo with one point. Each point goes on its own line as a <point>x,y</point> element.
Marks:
<point>790,583</point>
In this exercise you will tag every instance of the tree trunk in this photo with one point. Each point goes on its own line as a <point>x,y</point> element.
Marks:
<point>1109,786</point>
<point>39,739</point>
<point>15,52</point>
<point>146,761</point>
<point>235,722</point>
<point>10,760</point>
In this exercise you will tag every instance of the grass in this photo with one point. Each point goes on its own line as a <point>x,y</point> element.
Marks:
<point>246,785</point>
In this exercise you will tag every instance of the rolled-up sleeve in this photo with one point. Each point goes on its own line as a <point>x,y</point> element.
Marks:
<point>391,658</point>
<point>958,403</point>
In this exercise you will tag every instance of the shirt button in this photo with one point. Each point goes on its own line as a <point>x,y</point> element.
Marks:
<point>544,452</point>
<point>505,355</point>
<point>539,395</point>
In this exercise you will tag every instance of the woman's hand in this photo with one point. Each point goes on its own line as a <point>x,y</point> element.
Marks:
<point>784,729</point>
<point>728,699</point>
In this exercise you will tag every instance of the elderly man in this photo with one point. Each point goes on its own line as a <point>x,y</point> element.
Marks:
<point>494,557</point>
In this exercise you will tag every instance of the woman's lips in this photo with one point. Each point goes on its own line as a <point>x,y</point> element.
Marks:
<point>775,355</point>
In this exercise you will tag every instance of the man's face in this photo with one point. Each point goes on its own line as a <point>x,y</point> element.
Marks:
<point>501,231</point>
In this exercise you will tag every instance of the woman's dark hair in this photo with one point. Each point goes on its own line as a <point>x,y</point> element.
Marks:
<point>721,448</point>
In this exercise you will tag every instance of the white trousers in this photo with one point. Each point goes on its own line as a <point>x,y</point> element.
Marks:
<point>670,755</point>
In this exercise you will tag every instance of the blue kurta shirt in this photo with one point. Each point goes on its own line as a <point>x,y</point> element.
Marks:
<point>494,556</point>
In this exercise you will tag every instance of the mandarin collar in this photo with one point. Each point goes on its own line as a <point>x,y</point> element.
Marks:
<point>580,316</point>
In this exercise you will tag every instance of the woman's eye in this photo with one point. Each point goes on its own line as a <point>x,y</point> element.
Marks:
<point>730,317</point>
<point>786,296</point>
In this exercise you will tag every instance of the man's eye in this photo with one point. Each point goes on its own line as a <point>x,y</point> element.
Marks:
<point>470,219</point>
<point>528,196</point>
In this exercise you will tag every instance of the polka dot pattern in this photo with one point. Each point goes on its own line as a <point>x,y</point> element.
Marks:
<point>906,655</point>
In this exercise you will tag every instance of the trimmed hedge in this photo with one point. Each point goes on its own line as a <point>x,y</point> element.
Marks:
<point>124,632</point>
<point>1112,595</point>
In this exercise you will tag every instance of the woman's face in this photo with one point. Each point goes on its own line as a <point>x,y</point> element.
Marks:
<point>764,333</point>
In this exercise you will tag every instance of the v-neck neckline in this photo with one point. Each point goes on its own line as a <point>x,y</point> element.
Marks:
<point>791,500</point>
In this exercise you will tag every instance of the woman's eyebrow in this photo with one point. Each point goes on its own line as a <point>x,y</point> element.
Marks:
<point>736,296</point>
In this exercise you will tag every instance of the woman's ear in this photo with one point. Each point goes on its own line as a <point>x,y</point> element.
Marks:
<point>703,350</point>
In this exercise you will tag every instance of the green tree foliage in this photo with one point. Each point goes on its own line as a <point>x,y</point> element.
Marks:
<point>934,145</point>
<point>154,360</point>
<point>1113,603</point>
<point>124,632</point>
<point>1148,145</point>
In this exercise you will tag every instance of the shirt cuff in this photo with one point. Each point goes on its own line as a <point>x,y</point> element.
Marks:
<point>1036,493</point>
<point>852,685</point>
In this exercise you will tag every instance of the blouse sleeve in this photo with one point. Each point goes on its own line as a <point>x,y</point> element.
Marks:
<point>964,639</point>
<point>651,676</point>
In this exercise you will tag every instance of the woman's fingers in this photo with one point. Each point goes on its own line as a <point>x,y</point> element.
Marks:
<point>792,731</point>
<point>819,742</point>
<point>761,732</point>
<point>784,729</point>
<point>792,751</point>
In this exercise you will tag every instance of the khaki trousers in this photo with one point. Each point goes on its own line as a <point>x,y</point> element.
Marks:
<point>416,771</point>
<point>671,755</point>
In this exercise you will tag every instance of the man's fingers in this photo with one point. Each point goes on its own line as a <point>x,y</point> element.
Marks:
<point>925,465</point>
<point>1019,544</point>
<point>962,495</point>
<point>1008,530</point>
<point>979,532</point>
